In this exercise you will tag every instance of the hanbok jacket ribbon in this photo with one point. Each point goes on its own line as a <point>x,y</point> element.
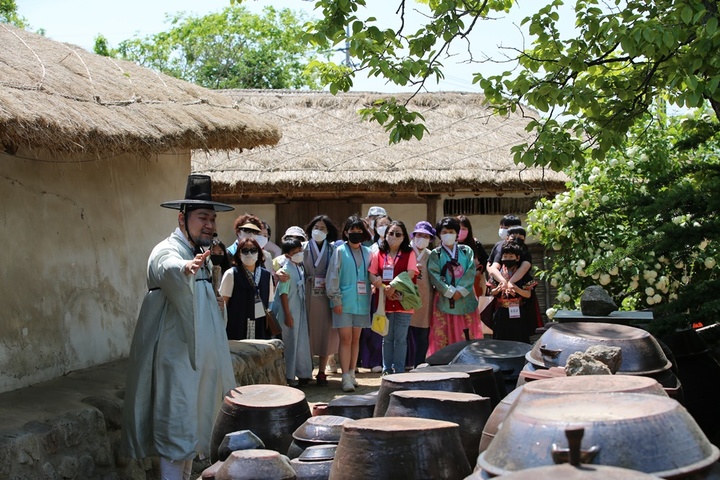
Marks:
<point>410,293</point>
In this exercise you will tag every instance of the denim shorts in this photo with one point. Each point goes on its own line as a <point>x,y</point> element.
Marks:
<point>351,320</point>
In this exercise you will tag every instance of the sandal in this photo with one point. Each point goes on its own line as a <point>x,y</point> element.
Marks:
<point>321,380</point>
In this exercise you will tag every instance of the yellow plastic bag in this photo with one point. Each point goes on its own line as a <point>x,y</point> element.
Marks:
<point>380,323</point>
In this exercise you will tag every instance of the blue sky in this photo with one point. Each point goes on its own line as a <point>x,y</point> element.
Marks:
<point>80,21</point>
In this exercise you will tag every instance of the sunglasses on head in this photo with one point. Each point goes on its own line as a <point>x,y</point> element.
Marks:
<point>395,234</point>
<point>247,251</point>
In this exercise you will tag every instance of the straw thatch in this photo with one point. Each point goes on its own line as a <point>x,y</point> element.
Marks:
<point>326,147</point>
<point>59,97</point>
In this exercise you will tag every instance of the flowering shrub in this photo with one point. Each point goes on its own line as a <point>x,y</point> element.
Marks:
<point>642,223</point>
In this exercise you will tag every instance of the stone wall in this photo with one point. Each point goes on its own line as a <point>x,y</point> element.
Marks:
<point>69,427</point>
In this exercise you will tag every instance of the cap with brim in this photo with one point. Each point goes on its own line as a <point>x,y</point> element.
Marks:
<point>197,195</point>
<point>376,211</point>
<point>250,226</point>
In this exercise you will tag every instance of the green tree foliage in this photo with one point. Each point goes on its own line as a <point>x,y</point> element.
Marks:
<point>643,223</point>
<point>590,87</point>
<point>8,14</point>
<point>230,49</point>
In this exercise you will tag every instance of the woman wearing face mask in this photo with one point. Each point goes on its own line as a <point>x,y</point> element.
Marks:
<point>245,288</point>
<point>318,250</point>
<point>466,237</point>
<point>422,237</point>
<point>513,317</point>
<point>452,272</point>
<point>371,344</point>
<point>219,256</point>
<point>348,287</point>
<point>394,257</point>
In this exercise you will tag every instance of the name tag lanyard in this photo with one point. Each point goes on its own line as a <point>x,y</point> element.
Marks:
<point>361,286</point>
<point>389,270</point>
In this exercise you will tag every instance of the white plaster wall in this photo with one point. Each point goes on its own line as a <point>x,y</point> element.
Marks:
<point>76,235</point>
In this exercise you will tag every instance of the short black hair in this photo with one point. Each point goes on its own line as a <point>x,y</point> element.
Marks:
<point>511,248</point>
<point>405,245</point>
<point>510,221</point>
<point>290,244</point>
<point>450,223</point>
<point>332,231</point>
<point>354,221</point>
<point>517,230</point>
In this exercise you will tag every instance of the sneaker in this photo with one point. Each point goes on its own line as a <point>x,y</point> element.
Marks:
<point>347,383</point>
<point>376,369</point>
<point>354,380</point>
<point>293,383</point>
<point>331,366</point>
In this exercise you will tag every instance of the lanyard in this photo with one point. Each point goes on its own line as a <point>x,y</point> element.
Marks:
<point>362,255</point>
<point>395,260</point>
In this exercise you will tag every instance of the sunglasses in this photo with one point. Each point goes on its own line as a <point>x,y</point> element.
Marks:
<point>395,234</point>
<point>248,251</point>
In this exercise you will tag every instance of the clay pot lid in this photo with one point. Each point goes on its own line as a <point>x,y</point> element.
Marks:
<point>264,396</point>
<point>321,429</point>
<point>395,424</point>
<point>413,378</point>
<point>456,367</point>
<point>497,349</point>
<point>353,401</point>
<point>318,453</point>
<point>439,395</point>
<point>255,464</point>
<point>595,384</point>
<point>568,472</point>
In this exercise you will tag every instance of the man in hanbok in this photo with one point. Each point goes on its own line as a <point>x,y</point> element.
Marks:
<point>179,366</point>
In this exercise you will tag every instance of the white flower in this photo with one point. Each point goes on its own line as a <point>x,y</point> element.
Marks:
<point>643,158</point>
<point>649,291</point>
<point>585,203</point>
<point>632,151</point>
<point>579,192</point>
<point>553,282</point>
<point>550,312</point>
<point>556,246</point>
<point>679,265</point>
<point>657,267</point>
<point>657,298</point>
<point>570,214</point>
<point>613,271</point>
<point>635,278</point>
<point>685,279</point>
<point>649,300</point>
<point>709,262</point>
<point>565,297</point>
<point>605,199</point>
<point>595,276</point>
<point>631,164</point>
<point>634,285</point>
<point>613,162</point>
<point>592,178</point>
<point>673,296</point>
<point>703,245</point>
<point>604,279</point>
<point>581,263</point>
<point>580,272</point>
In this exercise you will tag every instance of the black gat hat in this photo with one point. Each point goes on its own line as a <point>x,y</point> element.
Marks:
<point>197,195</point>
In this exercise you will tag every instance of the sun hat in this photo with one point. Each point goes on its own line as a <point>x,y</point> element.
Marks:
<point>423,227</point>
<point>294,231</point>
<point>197,195</point>
<point>376,212</point>
<point>250,226</point>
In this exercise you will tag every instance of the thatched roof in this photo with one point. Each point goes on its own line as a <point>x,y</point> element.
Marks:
<point>327,147</point>
<point>60,97</point>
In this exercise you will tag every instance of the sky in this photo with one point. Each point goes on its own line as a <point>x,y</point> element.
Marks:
<point>80,21</point>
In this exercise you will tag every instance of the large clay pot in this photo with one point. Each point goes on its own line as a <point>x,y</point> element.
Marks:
<point>648,433</point>
<point>561,387</point>
<point>256,465</point>
<point>447,381</point>
<point>272,412</point>
<point>470,411</point>
<point>508,355</point>
<point>234,441</point>
<point>482,378</point>
<point>352,406</point>
<point>391,448</point>
<point>317,430</point>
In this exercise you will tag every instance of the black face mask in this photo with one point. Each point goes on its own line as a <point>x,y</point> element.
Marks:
<point>356,237</point>
<point>218,259</point>
<point>509,263</point>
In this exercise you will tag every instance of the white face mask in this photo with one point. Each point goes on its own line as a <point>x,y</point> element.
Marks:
<point>261,240</point>
<point>242,235</point>
<point>502,233</point>
<point>249,259</point>
<point>448,239</point>
<point>318,235</point>
<point>394,241</point>
<point>381,230</point>
<point>421,243</point>
<point>297,258</point>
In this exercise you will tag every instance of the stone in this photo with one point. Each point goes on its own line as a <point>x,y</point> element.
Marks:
<point>86,467</point>
<point>111,410</point>
<point>610,356</point>
<point>579,363</point>
<point>68,467</point>
<point>595,302</point>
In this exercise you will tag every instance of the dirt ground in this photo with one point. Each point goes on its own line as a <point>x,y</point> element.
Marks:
<point>369,382</point>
